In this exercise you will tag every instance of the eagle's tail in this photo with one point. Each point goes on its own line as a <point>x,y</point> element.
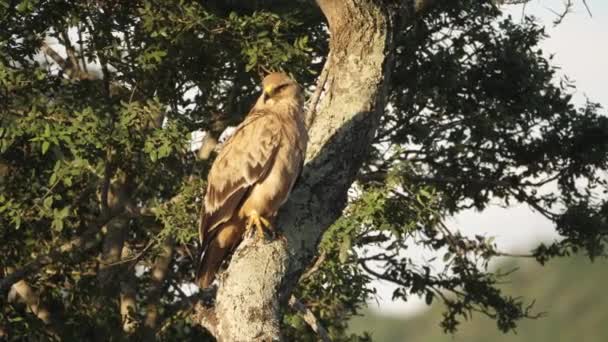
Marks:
<point>213,254</point>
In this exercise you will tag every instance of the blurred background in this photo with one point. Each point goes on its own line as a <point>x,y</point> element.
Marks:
<point>569,293</point>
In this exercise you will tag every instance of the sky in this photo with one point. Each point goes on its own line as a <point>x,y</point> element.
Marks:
<point>580,48</point>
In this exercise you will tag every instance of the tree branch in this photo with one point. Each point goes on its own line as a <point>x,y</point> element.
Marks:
<point>159,273</point>
<point>207,317</point>
<point>128,298</point>
<point>316,96</point>
<point>315,267</point>
<point>71,70</point>
<point>309,318</point>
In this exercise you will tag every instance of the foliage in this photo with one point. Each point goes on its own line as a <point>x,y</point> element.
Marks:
<point>96,144</point>
<point>102,136</point>
<point>478,117</point>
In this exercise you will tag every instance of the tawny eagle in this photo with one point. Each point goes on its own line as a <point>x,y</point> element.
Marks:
<point>253,173</point>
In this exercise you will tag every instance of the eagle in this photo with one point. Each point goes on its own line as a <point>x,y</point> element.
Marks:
<point>253,174</point>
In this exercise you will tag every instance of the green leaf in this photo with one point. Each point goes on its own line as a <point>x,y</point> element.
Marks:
<point>47,131</point>
<point>447,257</point>
<point>17,221</point>
<point>48,202</point>
<point>53,179</point>
<point>45,146</point>
<point>345,249</point>
<point>63,213</point>
<point>57,224</point>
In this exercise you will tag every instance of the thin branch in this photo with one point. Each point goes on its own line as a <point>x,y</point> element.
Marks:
<point>588,9</point>
<point>81,45</point>
<point>309,318</point>
<point>379,257</point>
<point>49,51</point>
<point>133,259</point>
<point>71,70</point>
<point>315,267</point>
<point>314,100</point>
<point>128,299</point>
<point>562,15</point>
<point>105,185</point>
<point>371,239</point>
<point>514,255</point>
<point>69,49</point>
<point>523,197</point>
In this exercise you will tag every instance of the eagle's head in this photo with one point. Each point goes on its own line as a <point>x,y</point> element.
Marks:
<point>279,89</point>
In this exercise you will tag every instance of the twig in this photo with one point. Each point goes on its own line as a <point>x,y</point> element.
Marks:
<point>105,185</point>
<point>514,255</point>
<point>588,9</point>
<point>49,51</point>
<point>560,16</point>
<point>69,49</point>
<point>316,96</point>
<point>315,267</point>
<point>309,317</point>
<point>134,258</point>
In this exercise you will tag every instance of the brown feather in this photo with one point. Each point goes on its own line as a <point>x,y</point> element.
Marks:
<point>216,251</point>
<point>246,157</point>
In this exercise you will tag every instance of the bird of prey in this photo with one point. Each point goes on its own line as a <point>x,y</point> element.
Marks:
<point>253,173</point>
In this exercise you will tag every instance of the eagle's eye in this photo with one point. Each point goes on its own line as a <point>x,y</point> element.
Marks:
<point>280,88</point>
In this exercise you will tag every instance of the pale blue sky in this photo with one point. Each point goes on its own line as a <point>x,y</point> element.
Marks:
<point>580,45</point>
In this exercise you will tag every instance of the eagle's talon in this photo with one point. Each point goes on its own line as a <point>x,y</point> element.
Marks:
<point>258,222</point>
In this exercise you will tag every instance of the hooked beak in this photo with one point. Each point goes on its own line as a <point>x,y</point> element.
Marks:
<point>266,94</point>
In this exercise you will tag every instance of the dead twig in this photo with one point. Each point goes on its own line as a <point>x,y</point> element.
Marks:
<point>309,318</point>
<point>316,96</point>
<point>320,259</point>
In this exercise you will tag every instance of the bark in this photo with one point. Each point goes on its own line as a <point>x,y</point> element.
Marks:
<point>115,277</point>
<point>310,319</point>
<point>261,275</point>
<point>32,300</point>
<point>111,254</point>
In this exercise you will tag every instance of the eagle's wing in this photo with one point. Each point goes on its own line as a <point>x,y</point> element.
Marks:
<point>245,158</point>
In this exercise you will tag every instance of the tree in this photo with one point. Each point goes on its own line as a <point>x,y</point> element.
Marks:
<point>414,114</point>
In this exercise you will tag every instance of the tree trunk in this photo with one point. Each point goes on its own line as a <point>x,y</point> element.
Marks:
<point>261,275</point>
